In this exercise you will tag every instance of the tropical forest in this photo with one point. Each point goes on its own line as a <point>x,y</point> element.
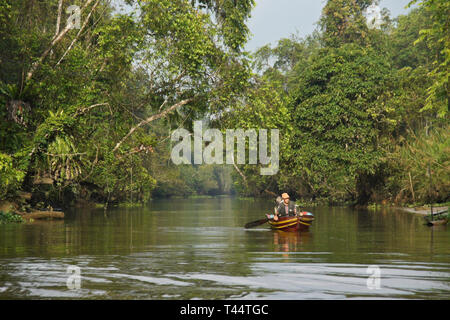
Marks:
<point>89,99</point>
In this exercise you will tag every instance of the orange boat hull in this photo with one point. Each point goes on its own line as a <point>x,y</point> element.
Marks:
<point>302,222</point>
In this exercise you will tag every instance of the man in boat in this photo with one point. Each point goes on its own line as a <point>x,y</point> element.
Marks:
<point>285,208</point>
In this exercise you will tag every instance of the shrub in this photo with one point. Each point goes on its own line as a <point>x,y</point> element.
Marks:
<point>6,217</point>
<point>10,178</point>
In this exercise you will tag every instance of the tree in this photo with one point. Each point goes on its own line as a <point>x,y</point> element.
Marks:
<point>338,118</point>
<point>437,37</point>
<point>343,21</point>
<point>88,95</point>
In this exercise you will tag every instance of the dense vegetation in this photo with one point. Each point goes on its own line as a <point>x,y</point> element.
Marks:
<point>80,105</point>
<point>87,112</point>
<point>363,110</point>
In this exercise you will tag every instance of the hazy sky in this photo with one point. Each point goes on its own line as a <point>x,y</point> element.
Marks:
<point>275,19</point>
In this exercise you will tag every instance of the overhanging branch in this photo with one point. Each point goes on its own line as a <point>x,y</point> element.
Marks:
<point>152,118</point>
<point>55,40</point>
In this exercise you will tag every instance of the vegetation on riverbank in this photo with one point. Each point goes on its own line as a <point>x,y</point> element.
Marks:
<point>8,217</point>
<point>362,111</point>
<point>87,113</point>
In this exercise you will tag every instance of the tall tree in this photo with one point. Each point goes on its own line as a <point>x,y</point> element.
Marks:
<point>343,21</point>
<point>437,37</point>
<point>338,118</point>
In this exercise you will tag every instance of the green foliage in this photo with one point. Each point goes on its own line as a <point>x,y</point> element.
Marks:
<point>63,159</point>
<point>343,21</point>
<point>412,163</point>
<point>289,54</point>
<point>437,38</point>
<point>8,217</point>
<point>186,180</point>
<point>338,117</point>
<point>80,110</point>
<point>405,51</point>
<point>91,87</point>
<point>10,177</point>
<point>352,95</point>
<point>265,107</point>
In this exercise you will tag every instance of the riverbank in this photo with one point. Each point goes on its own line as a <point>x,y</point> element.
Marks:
<point>11,211</point>
<point>28,212</point>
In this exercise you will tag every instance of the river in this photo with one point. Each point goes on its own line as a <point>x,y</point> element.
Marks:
<point>198,249</point>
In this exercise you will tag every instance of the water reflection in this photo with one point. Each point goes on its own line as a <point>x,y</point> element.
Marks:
<point>287,242</point>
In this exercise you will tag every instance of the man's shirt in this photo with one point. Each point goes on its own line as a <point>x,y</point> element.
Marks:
<point>284,210</point>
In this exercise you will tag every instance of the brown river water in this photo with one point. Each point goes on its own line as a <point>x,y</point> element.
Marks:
<point>199,249</point>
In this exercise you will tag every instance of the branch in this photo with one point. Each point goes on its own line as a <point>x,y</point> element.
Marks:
<point>270,192</point>
<point>84,110</point>
<point>181,124</point>
<point>58,20</point>
<point>65,154</point>
<point>135,150</point>
<point>58,23</point>
<point>93,165</point>
<point>57,39</point>
<point>150,119</point>
<point>237,169</point>
<point>79,32</point>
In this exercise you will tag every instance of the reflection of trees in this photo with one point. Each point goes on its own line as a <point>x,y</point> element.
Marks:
<point>354,235</point>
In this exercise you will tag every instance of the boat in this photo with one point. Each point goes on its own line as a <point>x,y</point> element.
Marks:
<point>440,222</point>
<point>301,222</point>
<point>437,218</point>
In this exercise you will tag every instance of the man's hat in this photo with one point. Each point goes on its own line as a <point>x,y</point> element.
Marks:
<point>285,196</point>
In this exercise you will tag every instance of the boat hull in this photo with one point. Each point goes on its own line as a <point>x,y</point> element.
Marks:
<point>437,222</point>
<point>302,222</point>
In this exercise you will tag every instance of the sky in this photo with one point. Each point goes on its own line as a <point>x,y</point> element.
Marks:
<point>275,19</point>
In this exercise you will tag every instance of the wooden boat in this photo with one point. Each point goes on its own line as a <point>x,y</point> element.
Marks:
<point>437,218</point>
<point>301,222</point>
<point>437,222</point>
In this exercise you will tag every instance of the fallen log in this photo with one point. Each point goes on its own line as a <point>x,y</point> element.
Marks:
<point>40,215</point>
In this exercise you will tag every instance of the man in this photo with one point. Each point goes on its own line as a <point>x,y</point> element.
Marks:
<point>285,208</point>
